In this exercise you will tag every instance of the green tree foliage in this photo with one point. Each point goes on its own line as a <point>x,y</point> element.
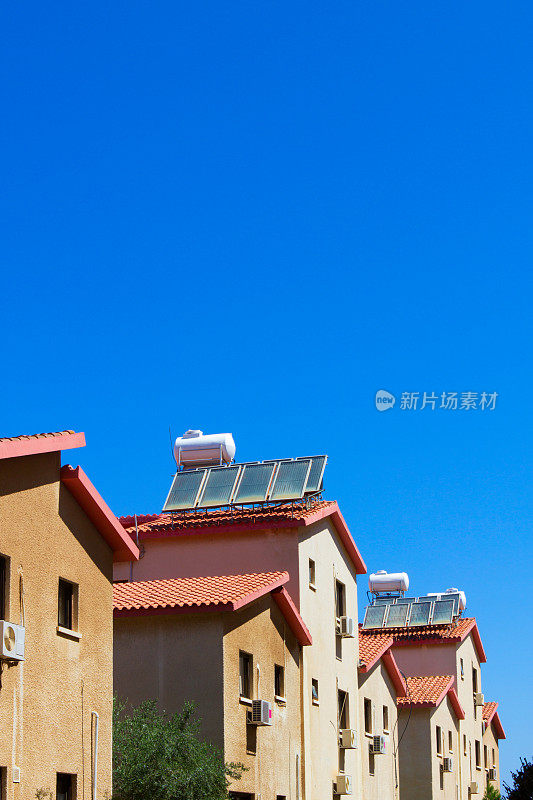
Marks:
<point>522,788</point>
<point>162,757</point>
<point>491,793</point>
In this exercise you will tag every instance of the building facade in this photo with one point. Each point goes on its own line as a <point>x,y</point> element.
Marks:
<point>58,541</point>
<point>312,543</point>
<point>222,643</point>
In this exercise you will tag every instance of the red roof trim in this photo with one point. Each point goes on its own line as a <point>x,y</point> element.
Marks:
<point>456,705</point>
<point>451,639</point>
<point>40,443</point>
<point>81,488</point>
<point>498,727</point>
<point>367,666</point>
<point>394,673</point>
<point>292,615</point>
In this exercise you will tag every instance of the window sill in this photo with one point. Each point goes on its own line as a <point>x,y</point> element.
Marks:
<point>369,735</point>
<point>386,732</point>
<point>68,633</point>
<point>245,700</point>
<point>282,701</point>
<point>316,702</point>
<point>312,587</point>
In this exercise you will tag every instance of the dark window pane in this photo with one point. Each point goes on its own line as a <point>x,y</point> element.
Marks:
<point>64,786</point>
<point>64,617</point>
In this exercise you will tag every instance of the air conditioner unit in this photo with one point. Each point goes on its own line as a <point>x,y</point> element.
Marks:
<point>13,637</point>
<point>479,699</point>
<point>492,774</point>
<point>343,784</point>
<point>261,713</point>
<point>447,764</point>
<point>347,627</point>
<point>473,787</point>
<point>378,745</point>
<point>348,738</point>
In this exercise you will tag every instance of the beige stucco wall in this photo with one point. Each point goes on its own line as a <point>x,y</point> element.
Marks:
<point>274,770</point>
<point>421,776</point>
<point>492,744</point>
<point>377,686</point>
<point>172,658</point>
<point>46,701</point>
<point>321,543</point>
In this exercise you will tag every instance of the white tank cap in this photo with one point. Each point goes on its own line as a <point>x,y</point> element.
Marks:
<point>383,581</point>
<point>190,434</point>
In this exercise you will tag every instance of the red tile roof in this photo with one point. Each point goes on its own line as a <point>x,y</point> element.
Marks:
<point>292,515</point>
<point>371,648</point>
<point>231,591</point>
<point>488,711</point>
<point>426,690</point>
<point>31,444</point>
<point>455,633</point>
<point>490,715</point>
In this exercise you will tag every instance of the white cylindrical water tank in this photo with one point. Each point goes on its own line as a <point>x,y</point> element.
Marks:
<point>194,449</point>
<point>383,581</point>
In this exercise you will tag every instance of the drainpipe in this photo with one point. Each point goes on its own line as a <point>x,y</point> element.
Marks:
<point>95,754</point>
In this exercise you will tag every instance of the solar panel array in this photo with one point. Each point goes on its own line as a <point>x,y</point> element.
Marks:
<point>250,483</point>
<point>410,612</point>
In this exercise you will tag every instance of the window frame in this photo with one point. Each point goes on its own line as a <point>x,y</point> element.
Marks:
<point>340,599</point>
<point>246,676</point>
<point>4,587</point>
<point>477,753</point>
<point>438,739</point>
<point>312,574</point>
<point>315,685</point>
<point>70,793</point>
<point>367,716</point>
<point>385,719</point>
<point>72,617</point>
<point>450,741</point>
<point>279,683</point>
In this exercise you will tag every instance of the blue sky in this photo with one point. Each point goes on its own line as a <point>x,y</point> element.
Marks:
<point>250,217</point>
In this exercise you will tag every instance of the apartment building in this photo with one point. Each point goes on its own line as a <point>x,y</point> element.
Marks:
<point>380,687</point>
<point>310,541</point>
<point>58,542</point>
<point>232,645</point>
<point>443,748</point>
<point>493,732</point>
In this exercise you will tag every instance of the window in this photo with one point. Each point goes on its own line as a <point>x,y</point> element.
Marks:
<point>438,733</point>
<point>385,718</point>
<point>3,587</point>
<point>340,599</point>
<point>314,691</point>
<point>66,606</point>
<point>462,668</point>
<point>450,741</point>
<point>343,710</point>
<point>368,717</point>
<point>3,782</point>
<point>493,758</point>
<point>245,675</point>
<point>474,689</point>
<point>312,574</point>
<point>279,682</point>
<point>478,754</point>
<point>464,745</point>
<point>486,756</point>
<point>65,786</point>
<point>371,761</point>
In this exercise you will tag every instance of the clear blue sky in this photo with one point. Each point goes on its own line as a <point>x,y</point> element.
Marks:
<point>249,217</point>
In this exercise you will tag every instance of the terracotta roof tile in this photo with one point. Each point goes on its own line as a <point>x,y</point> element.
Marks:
<point>488,710</point>
<point>166,523</point>
<point>371,648</point>
<point>426,690</point>
<point>23,436</point>
<point>223,590</point>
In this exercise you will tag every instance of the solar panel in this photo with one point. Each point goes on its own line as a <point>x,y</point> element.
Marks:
<point>290,480</point>
<point>218,488</point>
<point>254,483</point>
<point>419,614</point>
<point>314,480</point>
<point>184,490</point>
<point>406,600</point>
<point>374,616</point>
<point>443,611</point>
<point>397,617</point>
<point>382,601</point>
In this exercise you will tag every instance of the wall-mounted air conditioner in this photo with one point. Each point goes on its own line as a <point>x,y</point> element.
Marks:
<point>343,784</point>
<point>447,764</point>
<point>479,699</point>
<point>348,738</point>
<point>492,774</point>
<point>13,638</point>
<point>261,713</point>
<point>347,627</point>
<point>378,745</point>
<point>474,788</point>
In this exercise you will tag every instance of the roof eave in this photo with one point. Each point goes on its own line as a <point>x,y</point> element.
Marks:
<point>80,487</point>
<point>46,444</point>
<point>285,602</point>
